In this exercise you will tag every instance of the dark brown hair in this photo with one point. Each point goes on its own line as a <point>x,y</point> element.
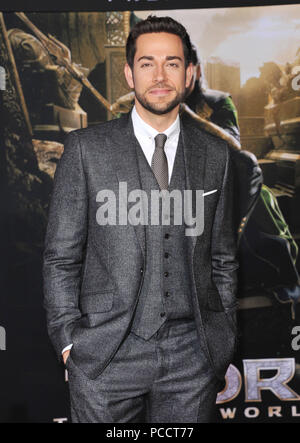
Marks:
<point>158,24</point>
<point>195,59</point>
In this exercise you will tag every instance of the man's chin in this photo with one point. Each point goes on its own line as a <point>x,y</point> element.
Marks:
<point>159,108</point>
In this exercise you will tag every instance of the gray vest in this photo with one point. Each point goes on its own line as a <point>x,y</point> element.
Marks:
<point>166,291</point>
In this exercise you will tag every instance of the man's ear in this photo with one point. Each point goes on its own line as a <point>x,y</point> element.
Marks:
<point>189,74</point>
<point>128,75</point>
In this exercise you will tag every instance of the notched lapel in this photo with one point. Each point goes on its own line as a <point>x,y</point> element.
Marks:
<point>195,155</point>
<point>126,164</point>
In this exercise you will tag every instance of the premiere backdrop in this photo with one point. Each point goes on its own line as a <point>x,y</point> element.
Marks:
<point>252,53</point>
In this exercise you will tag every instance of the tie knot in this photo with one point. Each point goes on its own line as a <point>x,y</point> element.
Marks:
<point>160,140</point>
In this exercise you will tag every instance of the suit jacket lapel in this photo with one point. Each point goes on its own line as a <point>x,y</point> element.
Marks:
<point>126,164</point>
<point>195,153</point>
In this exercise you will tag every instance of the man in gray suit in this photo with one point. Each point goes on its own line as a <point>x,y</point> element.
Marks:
<point>143,312</point>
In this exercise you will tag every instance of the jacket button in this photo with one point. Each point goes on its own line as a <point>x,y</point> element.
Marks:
<point>166,274</point>
<point>167,235</point>
<point>142,270</point>
<point>167,294</point>
<point>166,254</point>
<point>162,314</point>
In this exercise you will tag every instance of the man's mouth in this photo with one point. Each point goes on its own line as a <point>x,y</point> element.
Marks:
<point>160,91</point>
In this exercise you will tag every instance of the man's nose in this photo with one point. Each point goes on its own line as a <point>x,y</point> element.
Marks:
<point>159,74</point>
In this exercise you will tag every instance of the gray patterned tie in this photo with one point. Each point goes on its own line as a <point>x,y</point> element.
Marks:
<point>159,163</point>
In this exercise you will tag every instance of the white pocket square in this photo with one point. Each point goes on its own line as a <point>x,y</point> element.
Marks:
<point>209,192</point>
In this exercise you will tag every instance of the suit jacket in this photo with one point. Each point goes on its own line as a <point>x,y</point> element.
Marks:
<point>93,274</point>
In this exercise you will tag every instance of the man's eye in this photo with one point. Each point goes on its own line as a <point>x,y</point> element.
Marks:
<point>174,65</point>
<point>145,65</point>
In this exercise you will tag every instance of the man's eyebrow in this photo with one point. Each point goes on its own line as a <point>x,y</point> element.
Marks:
<point>169,57</point>
<point>172,57</point>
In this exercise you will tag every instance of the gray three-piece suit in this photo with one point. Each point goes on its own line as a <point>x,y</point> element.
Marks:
<point>150,311</point>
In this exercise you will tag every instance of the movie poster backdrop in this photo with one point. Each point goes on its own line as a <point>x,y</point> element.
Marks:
<point>250,54</point>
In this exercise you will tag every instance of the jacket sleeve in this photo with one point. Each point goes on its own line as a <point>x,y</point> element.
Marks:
<point>224,241</point>
<point>64,245</point>
<point>248,183</point>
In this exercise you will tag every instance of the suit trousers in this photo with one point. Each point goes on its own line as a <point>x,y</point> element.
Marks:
<point>165,379</point>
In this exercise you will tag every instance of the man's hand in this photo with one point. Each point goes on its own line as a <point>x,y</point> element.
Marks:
<point>66,356</point>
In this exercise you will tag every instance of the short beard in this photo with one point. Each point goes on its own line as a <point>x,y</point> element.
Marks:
<point>169,106</point>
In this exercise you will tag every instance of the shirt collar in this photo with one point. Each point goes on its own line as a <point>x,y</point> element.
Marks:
<point>144,129</point>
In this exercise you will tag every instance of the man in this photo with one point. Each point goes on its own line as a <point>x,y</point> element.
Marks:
<point>219,108</point>
<point>211,104</point>
<point>267,250</point>
<point>147,310</point>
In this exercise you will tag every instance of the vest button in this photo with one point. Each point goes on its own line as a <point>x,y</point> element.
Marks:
<point>142,270</point>
<point>167,235</point>
<point>166,254</point>
<point>162,314</point>
<point>167,294</point>
<point>166,274</point>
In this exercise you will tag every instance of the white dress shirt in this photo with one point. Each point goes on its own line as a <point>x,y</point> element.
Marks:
<point>145,135</point>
